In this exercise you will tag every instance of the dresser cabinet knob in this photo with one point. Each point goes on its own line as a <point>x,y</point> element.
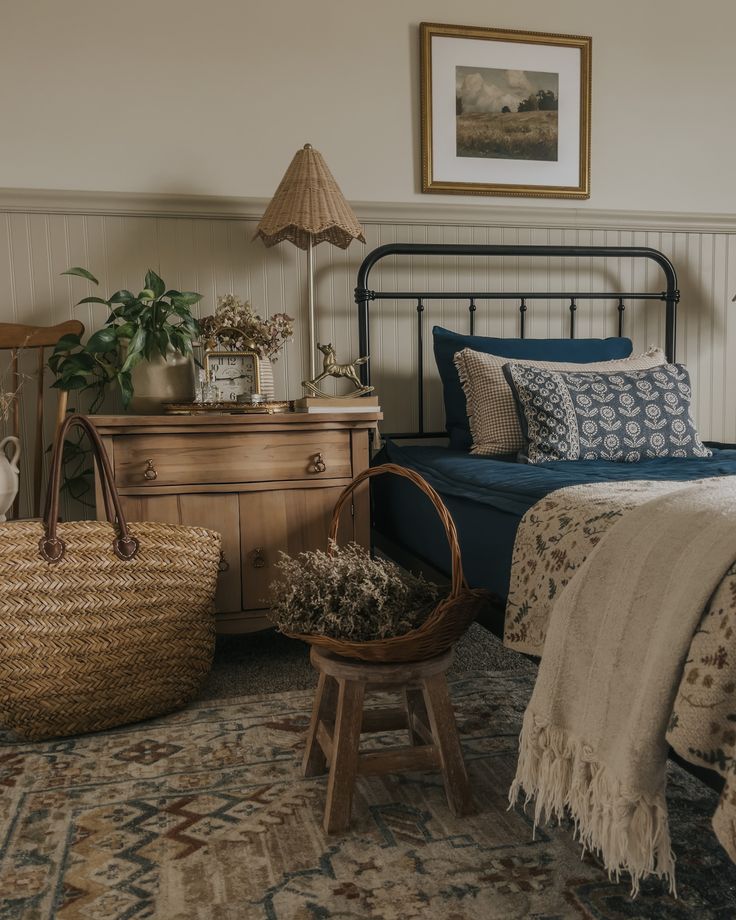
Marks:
<point>223,565</point>
<point>258,558</point>
<point>150,473</point>
<point>318,464</point>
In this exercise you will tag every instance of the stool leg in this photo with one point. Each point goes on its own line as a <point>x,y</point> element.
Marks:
<point>344,759</point>
<point>323,710</point>
<point>414,704</point>
<point>444,730</point>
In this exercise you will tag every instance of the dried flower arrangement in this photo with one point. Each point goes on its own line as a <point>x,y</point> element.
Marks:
<point>8,396</point>
<point>6,402</point>
<point>236,325</point>
<point>346,594</point>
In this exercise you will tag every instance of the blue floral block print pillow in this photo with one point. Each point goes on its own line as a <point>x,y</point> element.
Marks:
<point>623,417</point>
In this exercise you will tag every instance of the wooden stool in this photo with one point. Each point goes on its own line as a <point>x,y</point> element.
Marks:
<point>338,721</point>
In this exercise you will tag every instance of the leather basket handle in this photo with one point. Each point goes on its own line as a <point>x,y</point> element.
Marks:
<point>51,546</point>
<point>458,578</point>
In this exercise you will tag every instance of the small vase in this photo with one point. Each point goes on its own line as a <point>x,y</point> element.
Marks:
<point>8,476</point>
<point>162,380</point>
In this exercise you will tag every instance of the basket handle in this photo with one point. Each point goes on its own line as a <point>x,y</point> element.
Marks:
<point>51,546</point>
<point>458,578</point>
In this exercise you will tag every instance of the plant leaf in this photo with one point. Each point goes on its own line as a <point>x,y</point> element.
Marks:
<point>187,298</point>
<point>146,294</point>
<point>77,486</point>
<point>103,340</point>
<point>135,350</point>
<point>154,283</point>
<point>163,340</point>
<point>92,300</point>
<point>125,331</point>
<point>67,342</point>
<point>126,387</point>
<point>122,297</point>
<point>72,383</point>
<point>81,273</point>
<point>72,450</point>
<point>132,359</point>
<point>182,341</point>
<point>81,363</point>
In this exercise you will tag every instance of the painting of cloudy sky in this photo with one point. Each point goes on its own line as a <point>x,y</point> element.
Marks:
<point>506,114</point>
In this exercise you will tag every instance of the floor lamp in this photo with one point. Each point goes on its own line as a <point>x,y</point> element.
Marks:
<point>307,208</point>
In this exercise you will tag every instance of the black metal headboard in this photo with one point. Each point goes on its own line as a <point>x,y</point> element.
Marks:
<point>364,295</point>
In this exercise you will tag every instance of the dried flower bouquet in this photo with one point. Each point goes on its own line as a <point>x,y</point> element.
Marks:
<point>348,595</point>
<point>235,325</point>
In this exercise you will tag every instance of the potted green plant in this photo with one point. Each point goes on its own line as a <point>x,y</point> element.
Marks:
<point>145,347</point>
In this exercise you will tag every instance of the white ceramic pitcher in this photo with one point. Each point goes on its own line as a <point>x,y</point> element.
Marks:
<point>8,475</point>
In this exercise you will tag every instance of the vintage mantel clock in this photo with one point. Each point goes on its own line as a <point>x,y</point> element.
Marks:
<point>233,373</point>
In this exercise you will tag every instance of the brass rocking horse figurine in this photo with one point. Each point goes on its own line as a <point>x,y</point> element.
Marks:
<point>330,368</point>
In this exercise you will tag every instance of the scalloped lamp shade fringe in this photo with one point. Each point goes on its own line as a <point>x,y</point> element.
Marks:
<point>308,204</point>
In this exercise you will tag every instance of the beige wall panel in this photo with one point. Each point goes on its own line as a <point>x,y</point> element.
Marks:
<point>216,254</point>
<point>255,81</point>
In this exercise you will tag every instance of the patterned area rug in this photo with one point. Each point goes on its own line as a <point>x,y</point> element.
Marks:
<point>204,815</point>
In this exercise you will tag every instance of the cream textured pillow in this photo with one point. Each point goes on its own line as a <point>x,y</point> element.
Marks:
<point>490,403</point>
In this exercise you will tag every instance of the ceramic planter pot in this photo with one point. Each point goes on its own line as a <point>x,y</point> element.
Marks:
<point>162,380</point>
<point>8,475</point>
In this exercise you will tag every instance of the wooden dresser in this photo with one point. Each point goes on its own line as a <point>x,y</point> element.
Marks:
<point>265,482</point>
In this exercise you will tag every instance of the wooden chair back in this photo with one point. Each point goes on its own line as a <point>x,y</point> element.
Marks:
<point>16,337</point>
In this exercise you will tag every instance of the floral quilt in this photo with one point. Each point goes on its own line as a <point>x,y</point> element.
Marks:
<point>553,540</point>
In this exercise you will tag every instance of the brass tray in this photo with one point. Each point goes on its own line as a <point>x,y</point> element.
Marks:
<point>229,408</point>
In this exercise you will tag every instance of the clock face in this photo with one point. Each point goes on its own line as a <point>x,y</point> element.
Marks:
<point>233,373</point>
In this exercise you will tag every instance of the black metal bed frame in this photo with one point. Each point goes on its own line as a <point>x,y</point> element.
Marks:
<point>365,295</point>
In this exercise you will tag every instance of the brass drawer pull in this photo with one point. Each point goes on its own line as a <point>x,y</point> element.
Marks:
<point>223,565</point>
<point>258,558</point>
<point>317,465</point>
<point>150,473</point>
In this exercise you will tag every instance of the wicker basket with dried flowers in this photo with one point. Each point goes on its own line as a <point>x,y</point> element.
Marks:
<point>365,608</point>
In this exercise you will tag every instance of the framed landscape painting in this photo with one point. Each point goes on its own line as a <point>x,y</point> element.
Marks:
<point>505,112</point>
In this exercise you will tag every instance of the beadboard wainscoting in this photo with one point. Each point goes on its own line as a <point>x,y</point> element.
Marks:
<point>206,244</point>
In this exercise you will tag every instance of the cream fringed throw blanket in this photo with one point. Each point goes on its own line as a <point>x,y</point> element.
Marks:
<point>593,740</point>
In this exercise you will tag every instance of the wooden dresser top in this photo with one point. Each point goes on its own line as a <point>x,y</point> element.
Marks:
<point>283,421</point>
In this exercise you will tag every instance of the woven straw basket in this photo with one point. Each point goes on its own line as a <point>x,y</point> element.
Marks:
<point>101,624</point>
<point>451,616</point>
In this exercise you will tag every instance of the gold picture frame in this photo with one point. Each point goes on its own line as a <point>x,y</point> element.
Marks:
<point>504,112</point>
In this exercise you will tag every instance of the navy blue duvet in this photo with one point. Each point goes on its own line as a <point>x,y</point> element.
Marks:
<point>487,499</point>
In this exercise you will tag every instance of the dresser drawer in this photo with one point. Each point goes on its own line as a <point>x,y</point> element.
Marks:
<point>151,460</point>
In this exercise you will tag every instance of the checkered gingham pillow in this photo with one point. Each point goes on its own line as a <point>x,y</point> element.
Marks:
<point>490,404</point>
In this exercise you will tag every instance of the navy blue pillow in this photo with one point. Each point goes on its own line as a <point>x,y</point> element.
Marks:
<point>446,343</point>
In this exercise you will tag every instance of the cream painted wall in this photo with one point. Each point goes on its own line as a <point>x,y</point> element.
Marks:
<point>214,97</point>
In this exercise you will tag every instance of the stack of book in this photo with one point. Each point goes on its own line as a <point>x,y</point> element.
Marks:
<point>315,404</point>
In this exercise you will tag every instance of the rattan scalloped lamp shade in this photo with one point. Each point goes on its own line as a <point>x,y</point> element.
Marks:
<point>309,205</point>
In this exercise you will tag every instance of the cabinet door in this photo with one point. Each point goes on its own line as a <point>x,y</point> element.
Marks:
<point>215,512</point>
<point>292,520</point>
